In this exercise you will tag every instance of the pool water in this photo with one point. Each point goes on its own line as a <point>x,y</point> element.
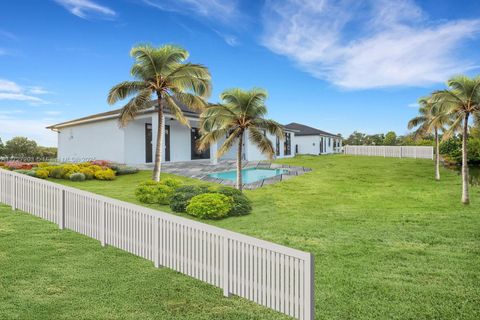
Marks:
<point>248,175</point>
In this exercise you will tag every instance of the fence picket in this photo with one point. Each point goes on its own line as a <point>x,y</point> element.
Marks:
<point>416,152</point>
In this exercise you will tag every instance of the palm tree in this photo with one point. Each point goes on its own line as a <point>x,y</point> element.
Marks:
<point>241,112</point>
<point>462,100</point>
<point>432,117</point>
<point>162,72</point>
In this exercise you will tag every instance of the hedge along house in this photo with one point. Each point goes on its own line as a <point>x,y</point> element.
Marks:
<point>310,140</point>
<point>99,136</point>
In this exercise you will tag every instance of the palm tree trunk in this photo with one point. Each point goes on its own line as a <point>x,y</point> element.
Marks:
<point>239,163</point>
<point>157,169</point>
<point>437,157</point>
<point>465,193</point>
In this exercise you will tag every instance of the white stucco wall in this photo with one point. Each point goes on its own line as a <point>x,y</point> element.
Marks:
<point>99,140</point>
<point>252,153</point>
<point>135,152</point>
<point>308,144</point>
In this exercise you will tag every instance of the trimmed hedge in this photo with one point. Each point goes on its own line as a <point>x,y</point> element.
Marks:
<point>156,192</point>
<point>210,206</point>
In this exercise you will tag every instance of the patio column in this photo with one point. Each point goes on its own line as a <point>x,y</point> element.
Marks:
<point>213,154</point>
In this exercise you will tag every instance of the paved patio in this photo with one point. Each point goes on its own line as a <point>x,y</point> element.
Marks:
<point>200,169</point>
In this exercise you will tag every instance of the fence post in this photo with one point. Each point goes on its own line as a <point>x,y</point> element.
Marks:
<point>103,220</point>
<point>156,240</point>
<point>61,218</point>
<point>415,152</point>
<point>13,192</point>
<point>384,151</point>
<point>400,152</point>
<point>226,267</point>
<point>309,287</point>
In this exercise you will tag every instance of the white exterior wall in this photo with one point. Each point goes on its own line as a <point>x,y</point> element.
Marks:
<point>308,144</point>
<point>135,152</point>
<point>99,140</point>
<point>252,153</point>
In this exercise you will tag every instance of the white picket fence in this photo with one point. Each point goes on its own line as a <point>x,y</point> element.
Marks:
<point>269,274</point>
<point>419,152</point>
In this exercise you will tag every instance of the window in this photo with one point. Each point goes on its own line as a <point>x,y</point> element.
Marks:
<point>277,147</point>
<point>329,142</point>
<point>287,145</point>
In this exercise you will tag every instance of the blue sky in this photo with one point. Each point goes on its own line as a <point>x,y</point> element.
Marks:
<point>339,65</point>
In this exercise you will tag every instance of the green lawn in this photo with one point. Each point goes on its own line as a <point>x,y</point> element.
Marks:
<point>389,243</point>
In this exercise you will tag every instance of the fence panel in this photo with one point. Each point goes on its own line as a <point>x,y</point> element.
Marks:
<point>269,274</point>
<point>420,152</point>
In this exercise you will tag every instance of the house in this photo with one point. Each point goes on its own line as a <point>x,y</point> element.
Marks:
<point>310,140</point>
<point>99,136</point>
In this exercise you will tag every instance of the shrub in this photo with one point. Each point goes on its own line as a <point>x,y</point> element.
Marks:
<point>56,172</point>
<point>241,206</point>
<point>69,169</point>
<point>182,195</point>
<point>18,165</point>
<point>209,206</point>
<point>171,182</point>
<point>77,176</point>
<point>121,170</point>
<point>105,174</point>
<point>101,163</point>
<point>89,173</point>
<point>30,173</point>
<point>153,192</point>
<point>41,173</point>
<point>43,164</point>
<point>95,168</point>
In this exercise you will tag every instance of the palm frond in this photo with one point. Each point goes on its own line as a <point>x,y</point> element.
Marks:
<point>124,89</point>
<point>134,106</point>
<point>176,110</point>
<point>261,141</point>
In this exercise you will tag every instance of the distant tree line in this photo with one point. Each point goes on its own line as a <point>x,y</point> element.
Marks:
<point>22,148</point>
<point>388,139</point>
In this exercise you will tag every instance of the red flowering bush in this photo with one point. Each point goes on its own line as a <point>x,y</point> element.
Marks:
<point>101,163</point>
<point>18,165</point>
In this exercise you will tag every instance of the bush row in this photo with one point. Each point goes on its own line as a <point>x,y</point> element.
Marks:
<point>205,202</point>
<point>98,169</point>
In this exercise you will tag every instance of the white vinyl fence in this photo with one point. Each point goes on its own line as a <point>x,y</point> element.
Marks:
<point>419,152</point>
<point>269,274</point>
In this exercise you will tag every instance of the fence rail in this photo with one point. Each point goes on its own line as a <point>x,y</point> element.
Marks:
<point>419,152</point>
<point>269,274</point>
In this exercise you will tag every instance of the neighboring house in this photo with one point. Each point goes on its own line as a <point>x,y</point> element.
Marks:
<point>310,140</point>
<point>99,136</point>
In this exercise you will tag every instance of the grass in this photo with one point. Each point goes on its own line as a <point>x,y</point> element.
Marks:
<point>389,243</point>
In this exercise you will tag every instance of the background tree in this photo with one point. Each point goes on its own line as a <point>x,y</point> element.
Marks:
<point>2,148</point>
<point>432,117</point>
<point>390,139</point>
<point>162,72</point>
<point>21,147</point>
<point>240,112</point>
<point>462,100</point>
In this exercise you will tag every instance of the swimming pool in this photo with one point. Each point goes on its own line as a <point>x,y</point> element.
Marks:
<point>248,175</point>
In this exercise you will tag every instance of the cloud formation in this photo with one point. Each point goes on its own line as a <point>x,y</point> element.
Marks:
<point>367,44</point>
<point>85,9</point>
<point>10,90</point>
<point>221,10</point>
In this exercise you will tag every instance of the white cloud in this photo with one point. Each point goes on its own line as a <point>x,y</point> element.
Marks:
<point>10,90</point>
<point>32,128</point>
<point>85,8</point>
<point>367,44</point>
<point>52,112</point>
<point>37,90</point>
<point>413,105</point>
<point>222,10</point>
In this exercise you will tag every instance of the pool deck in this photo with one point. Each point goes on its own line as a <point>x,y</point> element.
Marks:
<point>200,169</point>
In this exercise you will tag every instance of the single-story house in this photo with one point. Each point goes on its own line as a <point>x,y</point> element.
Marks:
<point>310,140</point>
<point>99,136</point>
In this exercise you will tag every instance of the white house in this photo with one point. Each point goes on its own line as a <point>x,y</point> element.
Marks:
<point>99,136</point>
<point>310,140</point>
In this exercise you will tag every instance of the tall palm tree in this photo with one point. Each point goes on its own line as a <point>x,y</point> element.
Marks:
<point>462,100</point>
<point>432,117</point>
<point>162,72</point>
<point>240,112</point>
